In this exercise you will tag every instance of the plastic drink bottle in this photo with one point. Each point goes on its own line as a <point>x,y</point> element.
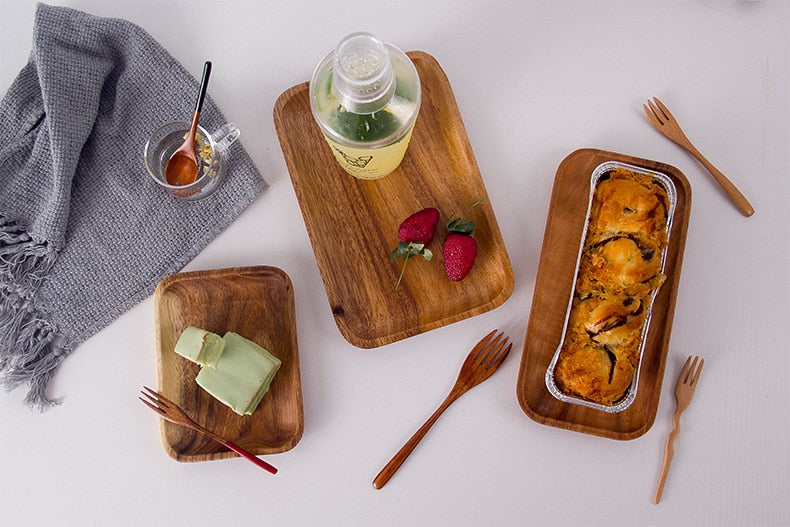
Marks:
<point>365,96</point>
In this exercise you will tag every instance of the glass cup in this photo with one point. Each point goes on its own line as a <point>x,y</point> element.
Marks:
<point>212,151</point>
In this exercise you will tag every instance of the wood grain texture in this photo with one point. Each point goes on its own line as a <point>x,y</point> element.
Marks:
<point>258,304</point>
<point>353,223</point>
<point>554,283</point>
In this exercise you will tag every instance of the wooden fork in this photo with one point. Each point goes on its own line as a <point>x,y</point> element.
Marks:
<point>665,123</point>
<point>173,413</point>
<point>684,391</point>
<point>480,364</point>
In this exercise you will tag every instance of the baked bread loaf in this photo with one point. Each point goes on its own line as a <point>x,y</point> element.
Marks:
<point>619,273</point>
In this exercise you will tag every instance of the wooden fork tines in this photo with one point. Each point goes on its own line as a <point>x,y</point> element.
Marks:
<point>684,391</point>
<point>170,411</point>
<point>661,118</point>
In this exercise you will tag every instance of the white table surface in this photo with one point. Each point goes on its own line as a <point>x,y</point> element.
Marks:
<point>534,82</point>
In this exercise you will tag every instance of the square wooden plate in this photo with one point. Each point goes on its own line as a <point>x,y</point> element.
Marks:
<point>556,275</point>
<point>353,223</point>
<point>258,304</point>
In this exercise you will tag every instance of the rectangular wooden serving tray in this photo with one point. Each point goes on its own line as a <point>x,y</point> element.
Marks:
<point>353,223</point>
<point>258,304</point>
<point>554,283</point>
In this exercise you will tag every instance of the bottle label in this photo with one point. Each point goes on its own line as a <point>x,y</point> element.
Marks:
<point>370,163</point>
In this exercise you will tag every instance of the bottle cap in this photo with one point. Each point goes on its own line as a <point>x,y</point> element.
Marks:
<point>362,73</point>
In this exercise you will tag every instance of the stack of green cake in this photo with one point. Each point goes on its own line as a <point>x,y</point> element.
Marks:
<point>235,370</point>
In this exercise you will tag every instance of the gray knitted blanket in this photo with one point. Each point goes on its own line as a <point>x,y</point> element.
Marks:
<point>85,233</point>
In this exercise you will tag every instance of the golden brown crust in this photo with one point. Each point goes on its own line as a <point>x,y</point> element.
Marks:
<point>619,271</point>
<point>619,265</point>
<point>627,203</point>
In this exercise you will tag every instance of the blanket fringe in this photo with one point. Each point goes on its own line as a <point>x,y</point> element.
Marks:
<point>29,344</point>
<point>24,262</point>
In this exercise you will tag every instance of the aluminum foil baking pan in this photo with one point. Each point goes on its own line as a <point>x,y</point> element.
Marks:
<point>598,173</point>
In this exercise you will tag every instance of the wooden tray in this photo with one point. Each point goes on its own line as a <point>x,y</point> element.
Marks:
<point>353,224</point>
<point>257,303</point>
<point>556,274</point>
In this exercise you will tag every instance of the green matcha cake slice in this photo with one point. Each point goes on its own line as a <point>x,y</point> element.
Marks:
<point>200,346</point>
<point>242,375</point>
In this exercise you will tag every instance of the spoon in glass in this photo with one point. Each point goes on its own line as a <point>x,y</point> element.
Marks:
<point>182,167</point>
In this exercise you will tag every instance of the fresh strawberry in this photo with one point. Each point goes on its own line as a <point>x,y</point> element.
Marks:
<point>459,251</point>
<point>419,227</point>
<point>414,233</point>
<point>460,248</point>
